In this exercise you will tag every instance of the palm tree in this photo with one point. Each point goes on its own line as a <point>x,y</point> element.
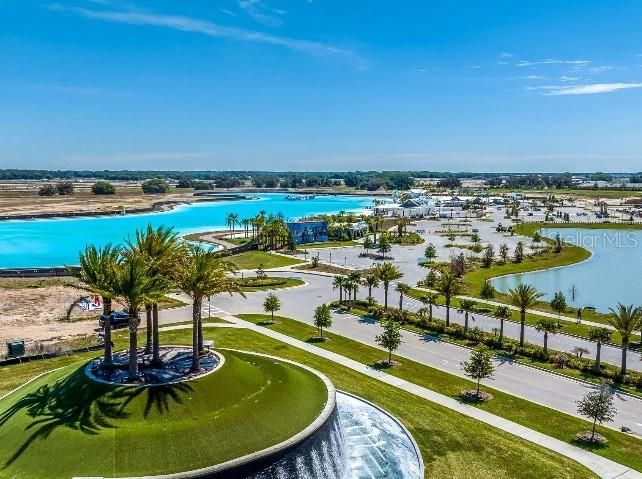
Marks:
<point>371,281</point>
<point>97,272</point>
<point>600,336</point>
<point>387,272</point>
<point>448,285</point>
<point>524,296</point>
<point>502,313</point>
<point>429,299</point>
<point>625,320</point>
<point>402,289</point>
<point>133,286</point>
<point>231,220</point>
<point>547,326</point>
<point>339,283</point>
<point>246,222</point>
<point>160,248</point>
<point>201,273</point>
<point>355,281</point>
<point>466,306</point>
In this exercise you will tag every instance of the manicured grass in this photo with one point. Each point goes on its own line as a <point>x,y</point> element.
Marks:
<point>289,283</point>
<point>621,447</point>
<point>252,260</point>
<point>65,425</point>
<point>452,445</point>
<point>473,280</point>
<point>568,327</point>
<point>580,193</point>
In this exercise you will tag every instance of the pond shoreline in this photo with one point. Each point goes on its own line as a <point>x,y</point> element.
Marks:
<point>157,206</point>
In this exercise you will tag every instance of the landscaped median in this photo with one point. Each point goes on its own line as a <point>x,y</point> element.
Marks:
<point>264,283</point>
<point>453,446</point>
<point>621,448</point>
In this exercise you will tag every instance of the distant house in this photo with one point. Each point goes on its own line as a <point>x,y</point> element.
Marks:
<point>308,231</point>
<point>515,196</point>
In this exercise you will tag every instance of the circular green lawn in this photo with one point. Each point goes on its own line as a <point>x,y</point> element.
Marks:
<point>64,425</point>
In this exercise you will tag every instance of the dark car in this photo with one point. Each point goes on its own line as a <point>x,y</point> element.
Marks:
<point>117,319</point>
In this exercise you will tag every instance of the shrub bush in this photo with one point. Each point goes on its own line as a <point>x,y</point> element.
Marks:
<point>155,185</point>
<point>103,188</point>
<point>47,190</point>
<point>257,282</point>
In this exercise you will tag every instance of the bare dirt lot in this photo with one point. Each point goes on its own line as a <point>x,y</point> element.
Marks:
<point>27,202</point>
<point>36,310</point>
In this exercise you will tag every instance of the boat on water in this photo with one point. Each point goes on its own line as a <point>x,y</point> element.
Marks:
<point>300,197</point>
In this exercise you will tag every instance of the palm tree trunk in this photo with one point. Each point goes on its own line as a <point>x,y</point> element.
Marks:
<point>501,330</point>
<point>390,356</point>
<point>522,323</point>
<point>465,323</point>
<point>196,314</point>
<point>545,342</point>
<point>430,312</point>
<point>385,296</point>
<point>149,329</point>
<point>478,386</point>
<point>369,291</point>
<point>593,431</point>
<point>108,360</point>
<point>200,333</point>
<point>400,301</point>
<point>447,312</point>
<point>133,345</point>
<point>155,336</point>
<point>625,345</point>
<point>598,353</point>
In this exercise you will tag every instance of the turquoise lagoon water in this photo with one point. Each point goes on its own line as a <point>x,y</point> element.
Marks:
<point>612,274</point>
<point>57,242</point>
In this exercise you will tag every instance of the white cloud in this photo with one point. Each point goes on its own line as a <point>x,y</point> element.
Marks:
<point>260,12</point>
<point>552,61</point>
<point>531,77</point>
<point>602,69</point>
<point>205,27</point>
<point>567,78</point>
<point>501,63</point>
<point>589,89</point>
<point>506,55</point>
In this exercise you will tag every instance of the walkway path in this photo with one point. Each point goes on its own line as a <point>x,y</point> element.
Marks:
<point>603,467</point>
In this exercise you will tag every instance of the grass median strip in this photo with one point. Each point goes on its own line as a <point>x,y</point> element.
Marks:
<point>621,448</point>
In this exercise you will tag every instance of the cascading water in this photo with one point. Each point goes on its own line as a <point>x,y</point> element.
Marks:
<point>376,445</point>
<point>358,441</point>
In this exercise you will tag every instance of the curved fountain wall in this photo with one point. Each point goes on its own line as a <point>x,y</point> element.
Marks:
<point>352,438</point>
<point>321,456</point>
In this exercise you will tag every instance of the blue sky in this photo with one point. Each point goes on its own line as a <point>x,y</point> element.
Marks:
<point>498,85</point>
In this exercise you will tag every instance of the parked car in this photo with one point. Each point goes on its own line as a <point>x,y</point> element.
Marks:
<point>117,319</point>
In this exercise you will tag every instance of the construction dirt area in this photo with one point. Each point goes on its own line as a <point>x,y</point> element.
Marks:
<point>27,202</point>
<point>36,310</point>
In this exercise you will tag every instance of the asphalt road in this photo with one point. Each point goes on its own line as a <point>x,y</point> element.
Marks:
<point>538,386</point>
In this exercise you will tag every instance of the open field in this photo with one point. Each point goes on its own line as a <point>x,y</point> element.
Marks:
<point>453,446</point>
<point>578,193</point>
<point>30,203</point>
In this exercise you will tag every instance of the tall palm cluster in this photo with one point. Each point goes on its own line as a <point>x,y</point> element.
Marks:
<point>269,230</point>
<point>140,273</point>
